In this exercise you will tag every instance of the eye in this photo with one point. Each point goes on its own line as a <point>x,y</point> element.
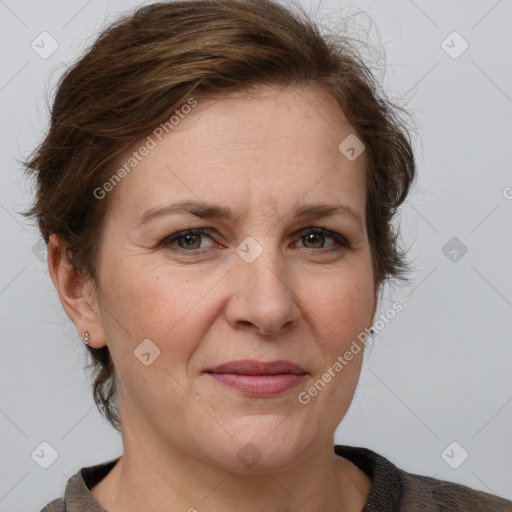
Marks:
<point>189,241</point>
<point>316,237</point>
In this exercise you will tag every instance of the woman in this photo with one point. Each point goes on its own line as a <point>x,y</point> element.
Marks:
<point>216,191</point>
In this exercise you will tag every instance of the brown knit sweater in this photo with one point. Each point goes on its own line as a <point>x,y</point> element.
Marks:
<point>393,490</point>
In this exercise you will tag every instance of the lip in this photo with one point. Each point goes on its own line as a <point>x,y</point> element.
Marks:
<point>255,367</point>
<point>259,378</point>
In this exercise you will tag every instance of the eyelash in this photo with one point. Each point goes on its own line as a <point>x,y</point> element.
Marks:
<point>341,242</point>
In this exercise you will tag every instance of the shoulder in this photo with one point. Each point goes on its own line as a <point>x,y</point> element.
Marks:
<point>55,506</point>
<point>77,495</point>
<point>442,495</point>
<point>394,489</point>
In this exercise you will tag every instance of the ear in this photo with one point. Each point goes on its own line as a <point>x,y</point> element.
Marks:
<point>76,293</point>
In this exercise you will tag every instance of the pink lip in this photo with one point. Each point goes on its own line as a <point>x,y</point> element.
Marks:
<point>259,378</point>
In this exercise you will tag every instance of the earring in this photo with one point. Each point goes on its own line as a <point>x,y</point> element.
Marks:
<point>372,331</point>
<point>86,337</point>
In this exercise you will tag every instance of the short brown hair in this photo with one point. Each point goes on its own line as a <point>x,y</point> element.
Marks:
<point>145,65</point>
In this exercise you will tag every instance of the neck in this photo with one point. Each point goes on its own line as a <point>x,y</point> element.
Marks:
<point>153,479</point>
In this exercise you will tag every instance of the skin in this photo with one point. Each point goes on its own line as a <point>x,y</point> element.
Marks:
<point>261,155</point>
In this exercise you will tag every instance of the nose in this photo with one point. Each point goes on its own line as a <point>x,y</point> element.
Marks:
<point>262,296</point>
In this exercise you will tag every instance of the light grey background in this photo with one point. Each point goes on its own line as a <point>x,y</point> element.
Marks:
<point>438,372</point>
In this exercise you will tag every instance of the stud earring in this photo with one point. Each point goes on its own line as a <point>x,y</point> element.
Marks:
<point>87,336</point>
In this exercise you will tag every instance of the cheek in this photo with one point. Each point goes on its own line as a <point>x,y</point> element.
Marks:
<point>342,307</point>
<point>166,306</point>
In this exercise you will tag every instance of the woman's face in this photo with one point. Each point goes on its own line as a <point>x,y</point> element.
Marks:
<point>204,299</point>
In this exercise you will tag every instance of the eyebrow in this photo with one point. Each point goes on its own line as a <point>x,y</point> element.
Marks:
<point>215,211</point>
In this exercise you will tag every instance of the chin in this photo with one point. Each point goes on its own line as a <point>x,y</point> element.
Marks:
<point>261,443</point>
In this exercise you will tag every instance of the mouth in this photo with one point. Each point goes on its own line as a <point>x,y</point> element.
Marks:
<point>258,378</point>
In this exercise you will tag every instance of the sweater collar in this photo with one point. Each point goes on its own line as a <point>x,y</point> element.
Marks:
<point>386,490</point>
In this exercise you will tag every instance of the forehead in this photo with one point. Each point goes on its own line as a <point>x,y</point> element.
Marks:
<point>267,147</point>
